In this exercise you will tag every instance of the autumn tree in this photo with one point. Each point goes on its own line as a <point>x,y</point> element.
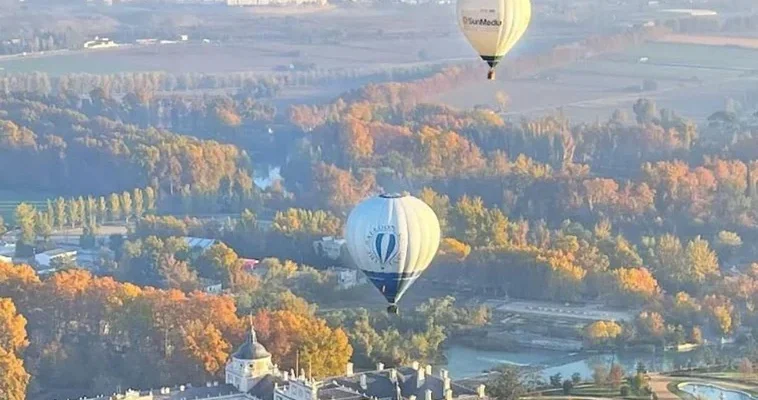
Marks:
<point>14,379</point>
<point>602,332</point>
<point>286,334</point>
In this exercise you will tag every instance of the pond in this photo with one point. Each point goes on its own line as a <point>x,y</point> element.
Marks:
<point>465,362</point>
<point>711,392</point>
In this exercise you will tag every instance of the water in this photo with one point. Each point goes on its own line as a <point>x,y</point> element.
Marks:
<point>711,392</point>
<point>464,362</point>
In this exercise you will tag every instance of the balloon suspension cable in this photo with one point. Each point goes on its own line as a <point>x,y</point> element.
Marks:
<point>392,309</point>
<point>491,74</point>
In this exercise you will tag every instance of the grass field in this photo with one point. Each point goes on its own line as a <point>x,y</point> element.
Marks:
<point>10,199</point>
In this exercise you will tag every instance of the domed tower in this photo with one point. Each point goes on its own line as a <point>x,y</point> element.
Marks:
<point>249,363</point>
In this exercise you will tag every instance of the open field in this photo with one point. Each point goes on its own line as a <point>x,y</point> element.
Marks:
<point>747,42</point>
<point>595,87</point>
<point>335,38</point>
<point>10,199</point>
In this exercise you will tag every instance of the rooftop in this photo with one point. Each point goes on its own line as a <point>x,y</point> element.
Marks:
<point>57,252</point>
<point>203,243</point>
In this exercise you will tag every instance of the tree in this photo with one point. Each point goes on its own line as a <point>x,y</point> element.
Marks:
<point>150,199</point>
<point>503,100</point>
<point>3,228</point>
<point>746,367</point>
<point>600,375</point>
<point>126,204</point>
<point>702,261</point>
<point>576,378</point>
<point>206,345</point>
<point>139,203</point>
<point>12,328</point>
<point>602,332</point>
<point>115,207</point>
<point>25,219</point>
<point>616,376</point>
<point>556,380</point>
<point>61,215</point>
<point>506,385</point>
<point>567,386</point>
<point>14,379</point>
<point>102,209</point>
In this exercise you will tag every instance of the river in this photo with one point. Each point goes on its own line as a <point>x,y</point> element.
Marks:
<point>464,362</point>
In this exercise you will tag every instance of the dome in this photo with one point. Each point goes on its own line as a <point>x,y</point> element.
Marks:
<point>251,349</point>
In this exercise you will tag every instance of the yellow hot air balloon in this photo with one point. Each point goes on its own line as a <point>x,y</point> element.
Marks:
<point>493,26</point>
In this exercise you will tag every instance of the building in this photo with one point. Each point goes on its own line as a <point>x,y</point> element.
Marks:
<point>44,260</point>
<point>7,251</point>
<point>251,375</point>
<point>348,278</point>
<point>99,43</point>
<point>329,247</point>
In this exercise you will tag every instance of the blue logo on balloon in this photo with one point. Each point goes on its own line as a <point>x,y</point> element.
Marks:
<point>383,245</point>
<point>385,248</point>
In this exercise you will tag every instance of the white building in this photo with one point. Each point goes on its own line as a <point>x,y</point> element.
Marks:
<point>100,43</point>
<point>43,260</point>
<point>349,278</point>
<point>7,251</point>
<point>329,247</point>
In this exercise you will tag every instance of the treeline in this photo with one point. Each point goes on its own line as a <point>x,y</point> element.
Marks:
<point>261,85</point>
<point>89,335</point>
<point>65,151</point>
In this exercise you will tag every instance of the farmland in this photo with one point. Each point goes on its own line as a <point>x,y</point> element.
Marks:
<point>597,86</point>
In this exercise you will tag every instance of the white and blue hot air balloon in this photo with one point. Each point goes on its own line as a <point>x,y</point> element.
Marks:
<point>392,238</point>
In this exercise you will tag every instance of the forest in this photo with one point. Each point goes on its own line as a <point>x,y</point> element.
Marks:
<point>642,209</point>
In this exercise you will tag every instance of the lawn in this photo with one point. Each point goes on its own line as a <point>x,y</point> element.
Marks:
<point>10,199</point>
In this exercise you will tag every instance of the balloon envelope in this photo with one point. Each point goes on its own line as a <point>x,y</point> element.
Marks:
<point>493,27</point>
<point>392,239</point>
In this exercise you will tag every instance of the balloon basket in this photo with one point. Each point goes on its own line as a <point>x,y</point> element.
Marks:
<point>491,75</point>
<point>392,310</point>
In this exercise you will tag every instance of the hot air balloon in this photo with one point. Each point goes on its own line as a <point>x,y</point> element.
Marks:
<point>493,26</point>
<point>392,238</point>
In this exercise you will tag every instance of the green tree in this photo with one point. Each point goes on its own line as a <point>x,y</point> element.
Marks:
<point>3,228</point>
<point>507,384</point>
<point>702,261</point>
<point>102,209</point>
<point>25,219</point>
<point>74,214</point>
<point>115,207</point>
<point>61,213</point>
<point>126,204</point>
<point>150,200</point>
<point>139,203</point>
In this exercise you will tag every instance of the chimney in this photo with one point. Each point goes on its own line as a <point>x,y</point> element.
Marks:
<point>420,378</point>
<point>428,370</point>
<point>480,391</point>
<point>208,384</point>
<point>428,394</point>
<point>443,373</point>
<point>286,376</point>
<point>415,365</point>
<point>448,394</point>
<point>380,367</point>
<point>349,370</point>
<point>393,375</point>
<point>446,384</point>
<point>412,397</point>
<point>363,382</point>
